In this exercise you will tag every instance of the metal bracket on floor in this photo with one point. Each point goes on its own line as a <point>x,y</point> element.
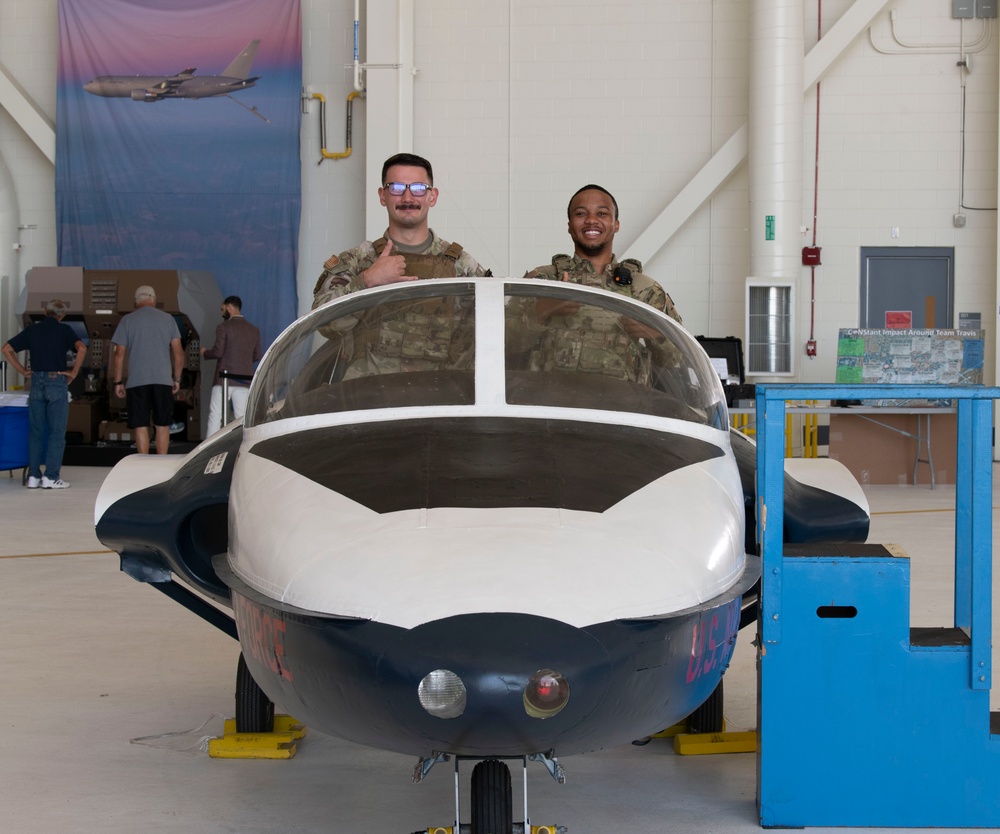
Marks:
<point>279,744</point>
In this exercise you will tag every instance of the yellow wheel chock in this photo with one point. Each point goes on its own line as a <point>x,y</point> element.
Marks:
<point>278,744</point>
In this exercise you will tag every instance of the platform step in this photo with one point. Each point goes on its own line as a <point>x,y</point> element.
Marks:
<point>939,637</point>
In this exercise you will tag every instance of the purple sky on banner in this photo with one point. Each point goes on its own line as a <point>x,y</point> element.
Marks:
<point>187,184</point>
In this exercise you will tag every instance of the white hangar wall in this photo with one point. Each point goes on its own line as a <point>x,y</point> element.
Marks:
<point>517,104</point>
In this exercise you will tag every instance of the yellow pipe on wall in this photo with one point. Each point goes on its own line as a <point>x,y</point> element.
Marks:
<point>324,153</point>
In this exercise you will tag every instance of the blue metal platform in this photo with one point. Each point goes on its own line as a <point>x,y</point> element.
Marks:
<point>864,720</point>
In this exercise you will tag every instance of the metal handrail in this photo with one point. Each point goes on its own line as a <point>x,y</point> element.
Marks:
<point>225,376</point>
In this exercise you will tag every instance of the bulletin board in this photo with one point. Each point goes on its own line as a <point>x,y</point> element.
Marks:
<point>910,357</point>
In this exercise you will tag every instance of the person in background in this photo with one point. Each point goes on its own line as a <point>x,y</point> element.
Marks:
<point>152,342</point>
<point>48,341</point>
<point>237,349</point>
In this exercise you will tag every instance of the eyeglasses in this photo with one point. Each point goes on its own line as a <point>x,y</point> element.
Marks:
<point>398,189</point>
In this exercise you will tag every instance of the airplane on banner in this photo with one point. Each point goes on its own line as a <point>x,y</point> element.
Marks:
<point>185,84</point>
<point>511,542</point>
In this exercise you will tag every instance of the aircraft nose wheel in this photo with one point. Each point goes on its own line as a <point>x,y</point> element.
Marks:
<point>254,710</point>
<point>492,803</point>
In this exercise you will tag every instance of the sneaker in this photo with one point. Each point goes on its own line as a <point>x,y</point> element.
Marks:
<point>58,483</point>
<point>33,482</point>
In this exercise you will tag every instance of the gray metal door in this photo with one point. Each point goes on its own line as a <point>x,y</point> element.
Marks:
<point>916,283</point>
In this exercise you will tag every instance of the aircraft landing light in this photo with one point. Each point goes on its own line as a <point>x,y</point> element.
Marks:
<point>699,744</point>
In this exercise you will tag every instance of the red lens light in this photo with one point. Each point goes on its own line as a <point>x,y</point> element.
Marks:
<point>546,693</point>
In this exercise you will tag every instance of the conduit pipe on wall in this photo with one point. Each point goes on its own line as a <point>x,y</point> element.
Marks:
<point>358,86</point>
<point>905,47</point>
<point>9,252</point>
<point>324,153</point>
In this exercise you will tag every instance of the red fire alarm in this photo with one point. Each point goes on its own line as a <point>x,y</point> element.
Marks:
<point>810,255</point>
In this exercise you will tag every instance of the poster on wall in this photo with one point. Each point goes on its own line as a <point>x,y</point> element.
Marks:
<point>177,143</point>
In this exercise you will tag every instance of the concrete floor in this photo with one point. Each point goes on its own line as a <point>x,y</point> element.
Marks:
<point>91,661</point>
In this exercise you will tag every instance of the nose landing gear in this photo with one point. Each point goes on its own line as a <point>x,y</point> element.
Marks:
<point>491,796</point>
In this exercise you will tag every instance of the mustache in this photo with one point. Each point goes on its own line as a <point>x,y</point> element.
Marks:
<point>407,205</point>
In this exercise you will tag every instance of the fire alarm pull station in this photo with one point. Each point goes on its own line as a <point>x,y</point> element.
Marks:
<point>810,255</point>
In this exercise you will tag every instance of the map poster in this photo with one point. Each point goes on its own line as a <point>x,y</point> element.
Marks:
<point>910,357</point>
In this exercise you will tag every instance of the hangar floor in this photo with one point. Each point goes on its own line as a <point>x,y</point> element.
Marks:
<point>91,661</point>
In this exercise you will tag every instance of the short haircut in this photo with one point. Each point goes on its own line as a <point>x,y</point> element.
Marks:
<point>592,187</point>
<point>408,159</point>
<point>234,301</point>
<point>56,307</point>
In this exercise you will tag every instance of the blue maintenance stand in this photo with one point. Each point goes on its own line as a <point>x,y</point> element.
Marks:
<point>863,719</point>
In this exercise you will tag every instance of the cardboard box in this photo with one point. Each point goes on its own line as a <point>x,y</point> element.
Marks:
<point>194,425</point>
<point>882,448</point>
<point>84,417</point>
<point>114,432</point>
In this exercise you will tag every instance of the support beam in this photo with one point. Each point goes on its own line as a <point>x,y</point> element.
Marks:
<point>730,156</point>
<point>32,121</point>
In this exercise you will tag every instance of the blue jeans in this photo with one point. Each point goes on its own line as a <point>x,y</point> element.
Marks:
<point>48,411</point>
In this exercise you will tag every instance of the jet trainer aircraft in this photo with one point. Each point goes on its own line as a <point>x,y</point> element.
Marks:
<point>514,541</point>
<point>185,84</point>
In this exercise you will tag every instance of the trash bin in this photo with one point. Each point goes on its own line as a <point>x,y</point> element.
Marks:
<point>14,433</point>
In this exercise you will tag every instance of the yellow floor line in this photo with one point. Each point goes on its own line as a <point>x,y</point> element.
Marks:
<point>70,553</point>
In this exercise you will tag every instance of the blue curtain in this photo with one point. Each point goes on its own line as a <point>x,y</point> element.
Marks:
<point>152,173</point>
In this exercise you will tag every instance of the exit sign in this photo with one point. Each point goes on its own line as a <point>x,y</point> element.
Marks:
<point>769,227</point>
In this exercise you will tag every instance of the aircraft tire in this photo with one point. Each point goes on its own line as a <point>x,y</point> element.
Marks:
<point>492,805</point>
<point>254,710</point>
<point>708,718</point>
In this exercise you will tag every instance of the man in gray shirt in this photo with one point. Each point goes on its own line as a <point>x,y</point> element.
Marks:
<point>155,360</point>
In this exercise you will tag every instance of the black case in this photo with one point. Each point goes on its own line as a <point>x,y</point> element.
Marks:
<point>730,348</point>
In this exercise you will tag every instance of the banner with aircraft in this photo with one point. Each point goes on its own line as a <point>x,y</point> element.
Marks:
<point>177,143</point>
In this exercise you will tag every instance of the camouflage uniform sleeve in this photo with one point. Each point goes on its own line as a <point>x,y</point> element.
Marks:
<point>547,272</point>
<point>467,267</point>
<point>655,296</point>
<point>523,327</point>
<point>342,274</point>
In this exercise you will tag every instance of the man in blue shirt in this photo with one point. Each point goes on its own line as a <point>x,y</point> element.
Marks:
<point>48,342</point>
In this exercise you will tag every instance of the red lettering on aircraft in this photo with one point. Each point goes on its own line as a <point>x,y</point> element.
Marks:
<point>709,637</point>
<point>264,634</point>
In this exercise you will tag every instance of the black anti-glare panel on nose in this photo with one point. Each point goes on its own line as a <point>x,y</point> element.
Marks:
<point>477,462</point>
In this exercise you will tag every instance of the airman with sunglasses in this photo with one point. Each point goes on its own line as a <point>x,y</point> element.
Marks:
<point>409,250</point>
<point>427,335</point>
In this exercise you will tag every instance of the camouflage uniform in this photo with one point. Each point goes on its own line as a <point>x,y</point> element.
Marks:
<point>414,336</point>
<point>581,271</point>
<point>342,273</point>
<point>592,341</point>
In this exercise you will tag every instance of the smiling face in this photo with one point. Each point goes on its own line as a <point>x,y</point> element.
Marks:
<point>592,223</point>
<point>407,211</point>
